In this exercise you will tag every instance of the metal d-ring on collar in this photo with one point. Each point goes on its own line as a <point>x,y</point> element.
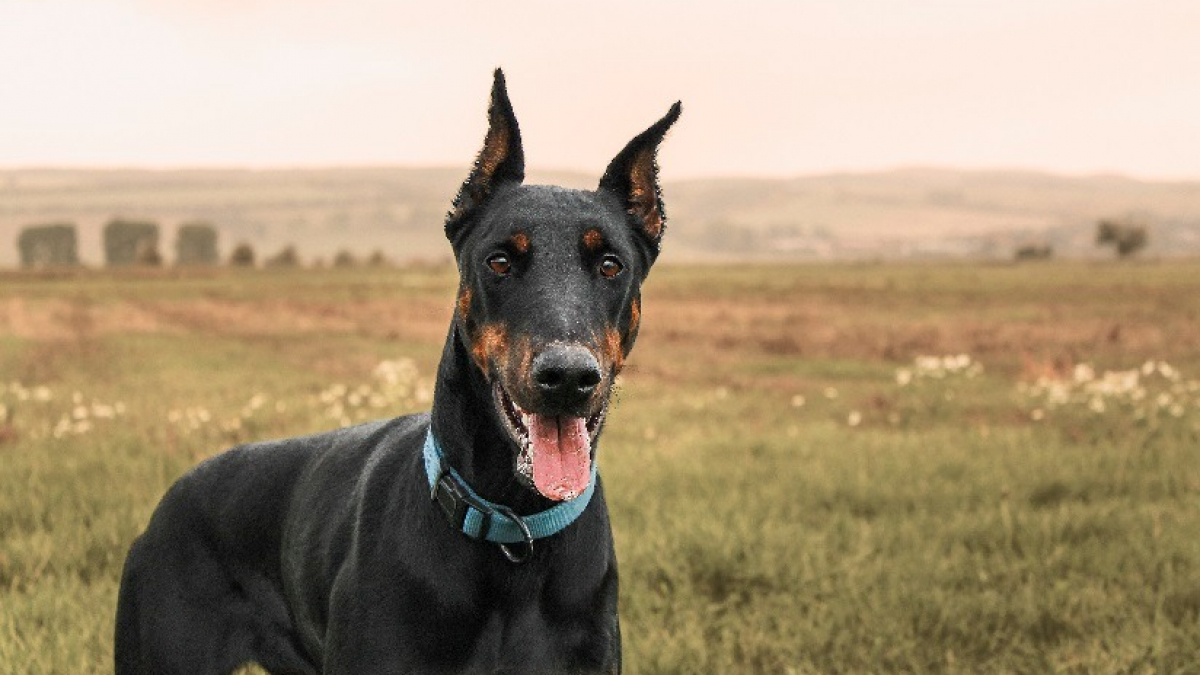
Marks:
<point>520,522</point>
<point>478,518</point>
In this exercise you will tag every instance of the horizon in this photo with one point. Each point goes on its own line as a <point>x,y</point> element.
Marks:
<point>536,172</point>
<point>772,90</point>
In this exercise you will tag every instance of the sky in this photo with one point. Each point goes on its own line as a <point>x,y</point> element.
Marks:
<point>769,87</point>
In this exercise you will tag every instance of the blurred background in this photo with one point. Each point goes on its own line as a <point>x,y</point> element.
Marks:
<point>857,130</point>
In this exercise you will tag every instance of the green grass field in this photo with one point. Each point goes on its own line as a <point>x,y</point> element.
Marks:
<point>793,491</point>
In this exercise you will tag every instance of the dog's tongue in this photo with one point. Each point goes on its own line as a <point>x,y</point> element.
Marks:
<point>561,454</point>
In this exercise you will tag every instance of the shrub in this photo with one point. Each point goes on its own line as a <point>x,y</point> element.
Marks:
<point>1035,252</point>
<point>242,256</point>
<point>286,257</point>
<point>378,259</point>
<point>1127,238</point>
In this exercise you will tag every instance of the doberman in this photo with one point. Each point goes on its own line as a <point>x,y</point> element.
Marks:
<point>473,538</point>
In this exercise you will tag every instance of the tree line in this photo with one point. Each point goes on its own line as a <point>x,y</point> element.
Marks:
<point>136,243</point>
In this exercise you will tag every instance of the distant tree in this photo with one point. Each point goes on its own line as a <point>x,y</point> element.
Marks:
<point>378,259</point>
<point>196,244</point>
<point>344,258</point>
<point>286,257</point>
<point>1035,252</point>
<point>1126,238</point>
<point>129,242</point>
<point>242,255</point>
<point>48,245</point>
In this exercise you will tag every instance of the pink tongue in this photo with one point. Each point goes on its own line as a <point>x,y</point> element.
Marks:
<point>561,456</point>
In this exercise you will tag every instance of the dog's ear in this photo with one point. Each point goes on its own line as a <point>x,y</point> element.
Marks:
<point>502,160</point>
<point>633,177</point>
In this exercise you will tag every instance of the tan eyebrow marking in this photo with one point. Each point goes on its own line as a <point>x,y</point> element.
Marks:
<point>593,240</point>
<point>520,242</point>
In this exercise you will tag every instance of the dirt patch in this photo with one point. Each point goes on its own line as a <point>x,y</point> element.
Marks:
<point>63,319</point>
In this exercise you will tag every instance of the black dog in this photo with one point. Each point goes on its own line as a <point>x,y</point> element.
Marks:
<point>471,539</point>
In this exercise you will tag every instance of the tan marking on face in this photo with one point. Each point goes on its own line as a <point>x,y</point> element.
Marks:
<point>635,315</point>
<point>519,379</point>
<point>643,200</point>
<point>464,302</point>
<point>490,346</point>
<point>593,240</point>
<point>613,351</point>
<point>519,242</point>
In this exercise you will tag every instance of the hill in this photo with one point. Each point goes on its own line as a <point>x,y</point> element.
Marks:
<point>903,213</point>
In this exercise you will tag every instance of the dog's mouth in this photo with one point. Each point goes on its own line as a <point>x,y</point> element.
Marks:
<point>555,451</point>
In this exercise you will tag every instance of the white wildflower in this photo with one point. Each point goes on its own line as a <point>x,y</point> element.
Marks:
<point>1166,370</point>
<point>1084,372</point>
<point>854,418</point>
<point>63,427</point>
<point>798,401</point>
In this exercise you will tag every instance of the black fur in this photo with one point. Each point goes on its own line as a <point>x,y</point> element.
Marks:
<point>324,554</point>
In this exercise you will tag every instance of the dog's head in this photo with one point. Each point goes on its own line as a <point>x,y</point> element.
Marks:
<point>549,298</point>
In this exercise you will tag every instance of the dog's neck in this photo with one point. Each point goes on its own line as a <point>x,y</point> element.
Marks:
<point>464,423</point>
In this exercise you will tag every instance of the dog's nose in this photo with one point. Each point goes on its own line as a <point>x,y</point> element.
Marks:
<point>566,375</point>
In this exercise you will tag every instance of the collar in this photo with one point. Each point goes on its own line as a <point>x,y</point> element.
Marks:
<point>478,518</point>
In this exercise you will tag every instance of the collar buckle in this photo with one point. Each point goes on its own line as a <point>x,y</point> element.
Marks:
<point>454,500</point>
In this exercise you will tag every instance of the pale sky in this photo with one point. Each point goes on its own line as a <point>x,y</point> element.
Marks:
<point>769,87</point>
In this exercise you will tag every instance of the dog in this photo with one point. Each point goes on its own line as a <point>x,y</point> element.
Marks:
<point>470,539</point>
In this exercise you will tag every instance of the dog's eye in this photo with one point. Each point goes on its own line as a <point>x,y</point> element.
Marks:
<point>611,266</point>
<point>499,264</point>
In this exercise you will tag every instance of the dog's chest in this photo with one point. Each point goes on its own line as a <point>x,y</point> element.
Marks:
<point>528,620</point>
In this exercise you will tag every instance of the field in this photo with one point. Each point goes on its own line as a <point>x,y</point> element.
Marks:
<point>798,485</point>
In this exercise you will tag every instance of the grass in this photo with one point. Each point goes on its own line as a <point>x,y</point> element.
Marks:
<point>782,504</point>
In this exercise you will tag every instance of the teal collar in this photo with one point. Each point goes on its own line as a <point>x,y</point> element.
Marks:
<point>478,518</point>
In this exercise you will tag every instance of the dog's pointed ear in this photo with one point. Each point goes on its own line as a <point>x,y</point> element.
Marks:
<point>633,177</point>
<point>502,160</point>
